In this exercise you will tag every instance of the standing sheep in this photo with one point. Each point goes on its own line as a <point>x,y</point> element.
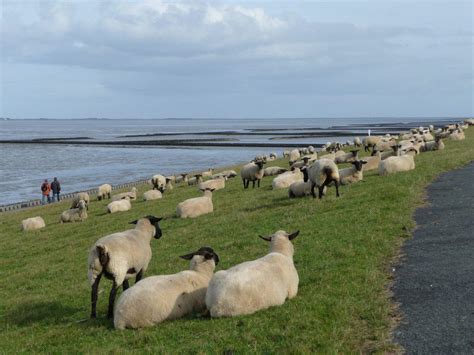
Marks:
<point>357,142</point>
<point>121,256</point>
<point>158,181</point>
<point>321,174</point>
<point>370,142</point>
<point>252,172</point>
<point>104,191</point>
<point>75,214</point>
<point>166,297</point>
<point>255,285</point>
<point>32,223</point>
<point>197,206</point>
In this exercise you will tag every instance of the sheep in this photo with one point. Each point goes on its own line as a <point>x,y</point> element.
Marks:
<point>197,206</point>
<point>227,173</point>
<point>300,164</point>
<point>132,195</point>
<point>333,147</point>
<point>294,156</point>
<point>80,196</point>
<point>255,285</point>
<point>286,179</point>
<point>352,174</point>
<point>32,223</point>
<point>252,172</point>
<point>273,156</point>
<point>386,154</point>
<point>119,206</point>
<point>153,195</point>
<point>207,173</point>
<point>384,145</point>
<point>158,181</point>
<point>286,153</point>
<point>370,142</point>
<point>75,214</point>
<point>330,156</point>
<point>166,297</point>
<point>343,157</point>
<point>121,256</point>
<point>357,142</point>
<point>372,162</point>
<point>171,178</point>
<point>434,145</point>
<point>311,149</point>
<point>274,170</point>
<point>457,135</point>
<point>321,174</point>
<point>469,121</point>
<point>195,180</point>
<point>214,184</point>
<point>169,184</point>
<point>104,191</point>
<point>396,164</point>
<point>181,178</point>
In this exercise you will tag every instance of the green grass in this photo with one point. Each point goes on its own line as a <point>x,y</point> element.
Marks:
<point>342,256</point>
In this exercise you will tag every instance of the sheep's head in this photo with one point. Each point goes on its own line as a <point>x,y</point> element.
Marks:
<point>204,253</point>
<point>81,204</point>
<point>358,164</point>
<point>279,233</point>
<point>154,221</point>
<point>355,152</point>
<point>260,163</point>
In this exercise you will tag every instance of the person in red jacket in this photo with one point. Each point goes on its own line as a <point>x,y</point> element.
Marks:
<point>45,190</point>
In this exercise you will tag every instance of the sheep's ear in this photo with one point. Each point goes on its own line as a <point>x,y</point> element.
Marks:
<point>211,190</point>
<point>268,239</point>
<point>293,235</point>
<point>187,256</point>
<point>133,222</point>
<point>363,161</point>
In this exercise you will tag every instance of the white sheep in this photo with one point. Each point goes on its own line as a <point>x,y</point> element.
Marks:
<point>197,206</point>
<point>321,174</point>
<point>119,206</point>
<point>207,173</point>
<point>75,214</point>
<point>274,170</point>
<point>214,184</point>
<point>195,180</point>
<point>286,153</point>
<point>158,181</point>
<point>294,156</point>
<point>357,142</point>
<point>330,156</point>
<point>343,157</point>
<point>300,164</point>
<point>181,178</point>
<point>169,184</point>
<point>32,223</point>
<point>255,285</point>
<point>132,195</point>
<point>227,173</point>
<point>80,196</point>
<point>370,142</point>
<point>166,297</point>
<point>311,149</point>
<point>352,174</point>
<point>104,191</point>
<point>457,135</point>
<point>396,164</point>
<point>121,256</point>
<point>372,162</point>
<point>286,179</point>
<point>469,121</point>
<point>152,195</point>
<point>434,145</point>
<point>252,172</point>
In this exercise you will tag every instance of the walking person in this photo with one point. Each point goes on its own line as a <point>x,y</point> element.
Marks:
<point>46,190</point>
<point>56,188</point>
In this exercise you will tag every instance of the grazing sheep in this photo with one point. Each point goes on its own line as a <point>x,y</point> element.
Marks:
<point>121,256</point>
<point>321,174</point>
<point>370,142</point>
<point>352,174</point>
<point>104,191</point>
<point>252,172</point>
<point>119,206</point>
<point>75,214</point>
<point>153,195</point>
<point>372,162</point>
<point>357,142</point>
<point>343,157</point>
<point>32,223</point>
<point>214,184</point>
<point>166,297</point>
<point>80,196</point>
<point>197,206</point>
<point>274,170</point>
<point>255,285</point>
<point>131,195</point>
<point>207,173</point>
<point>396,164</point>
<point>195,180</point>
<point>286,179</point>
<point>433,145</point>
<point>158,181</point>
<point>294,156</point>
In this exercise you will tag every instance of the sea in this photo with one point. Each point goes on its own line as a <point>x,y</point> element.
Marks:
<point>23,167</point>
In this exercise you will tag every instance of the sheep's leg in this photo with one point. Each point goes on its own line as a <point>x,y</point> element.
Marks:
<point>125,285</point>
<point>312,190</point>
<point>139,276</point>
<point>94,293</point>
<point>337,187</point>
<point>253,184</point>
<point>243,182</point>
<point>113,293</point>
<point>321,190</point>
<point>259,183</point>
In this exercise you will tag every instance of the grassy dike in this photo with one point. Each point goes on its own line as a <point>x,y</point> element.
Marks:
<point>342,255</point>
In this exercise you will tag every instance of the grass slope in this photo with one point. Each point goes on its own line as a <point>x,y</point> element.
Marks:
<point>342,255</point>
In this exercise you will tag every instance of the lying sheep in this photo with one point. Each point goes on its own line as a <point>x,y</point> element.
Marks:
<point>274,170</point>
<point>75,214</point>
<point>214,184</point>
<point>469,121</point>
<point>153,195</point>
<point>457,135</point>
<point>286,179</point>
<point>195,180</point>
<point>434,145</point>
<point>131,195</point>
<point>352,174</point>
<point>343,157</point>
<point>383,145</point>
<point>396,164</point>
<point>104,191</point>
<point>357,142</point>
<point>207,173</point>
<point>311,149</point>
<point>197,206</point>
<point>226,173</point>
<point>169,184</point>
<point>252,172</point>
<point>32,223</point>
<point>158,181</point>
<point>294,156</point>
<point>119,206</point>
<point>330,156</point>
<point>166,297</point>
<point>372,162</point>
<point>80,196</point>
<point>121,256</point>
<point>321,174</point>
<point>300,164</point>
<point>391,153</point>
<point>370,142</point>
<point>255,285</point>
<point>286,153</point>
<point>181,178</point>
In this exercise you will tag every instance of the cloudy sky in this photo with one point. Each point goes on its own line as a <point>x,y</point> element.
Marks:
<point>154,58</point>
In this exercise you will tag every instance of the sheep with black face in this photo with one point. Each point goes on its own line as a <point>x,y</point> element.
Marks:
<point>252,172</point>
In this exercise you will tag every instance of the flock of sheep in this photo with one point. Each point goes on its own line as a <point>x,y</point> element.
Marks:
<point>238,290</point>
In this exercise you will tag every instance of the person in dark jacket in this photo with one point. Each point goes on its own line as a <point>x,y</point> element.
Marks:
<point>56,188</point>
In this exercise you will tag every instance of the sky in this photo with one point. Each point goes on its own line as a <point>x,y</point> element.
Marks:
<point>233,59</point>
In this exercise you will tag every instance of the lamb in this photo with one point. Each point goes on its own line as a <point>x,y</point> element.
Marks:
<point>343,157</point>
<point>434,145</point>
<point>80,196</point>
<point>153,195</point>
<point>286,179</point>
<point>119,206</point>
<point>75,214</point>
<point>32,223</point>
<point>357,142</point>
<point>131,195</point>
<point>274,170</point>
<point>321,174</point>
<point>214,184</point>
<point>104,191</point>
<point>255,285</point>
<point>158,181</point>
<point>396,164</point>
<point>372,162</point>
<point>195,180</point>
<point>197,206</point>
<point>252,172</point>
<point>166,297</point>
<point>370,141</point>
<point>207,173</point>
<point>294,156</point>
<point>352,174</point>
<point>121,256</point>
